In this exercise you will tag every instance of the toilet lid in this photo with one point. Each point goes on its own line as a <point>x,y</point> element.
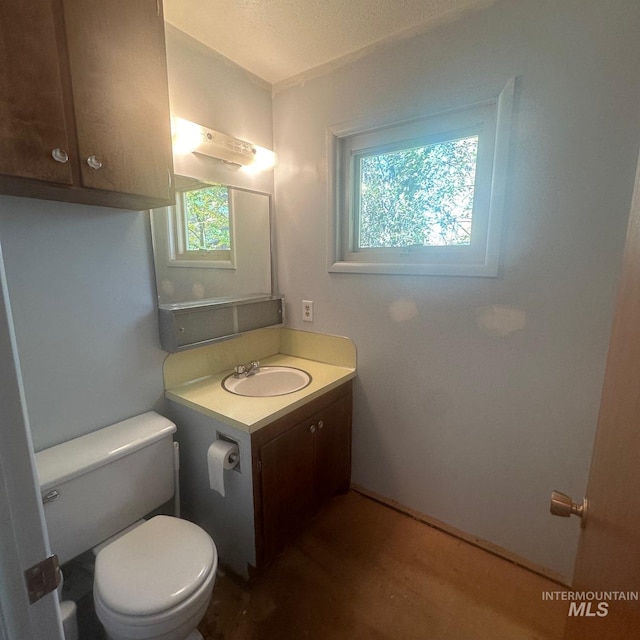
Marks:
<point>154,567</point>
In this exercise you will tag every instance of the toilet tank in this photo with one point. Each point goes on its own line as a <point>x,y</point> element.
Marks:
<point>98,484</point>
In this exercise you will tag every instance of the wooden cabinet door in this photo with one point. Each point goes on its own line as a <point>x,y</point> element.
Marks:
<point>118,73</point>
<point>32,112</point>
<point>287,486</point>
<point>333,450</point>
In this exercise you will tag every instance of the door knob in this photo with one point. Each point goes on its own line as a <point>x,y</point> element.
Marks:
<point>94,162</point>
<point>60,155</point>
<point>562,505</point>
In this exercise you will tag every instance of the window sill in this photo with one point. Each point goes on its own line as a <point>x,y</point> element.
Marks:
<point>202,264</point>
<point>380,268</point>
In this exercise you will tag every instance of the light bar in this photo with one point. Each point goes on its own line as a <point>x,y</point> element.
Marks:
<point>189,137</point>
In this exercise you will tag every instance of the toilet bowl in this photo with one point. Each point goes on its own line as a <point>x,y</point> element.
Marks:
<point>155,582</point>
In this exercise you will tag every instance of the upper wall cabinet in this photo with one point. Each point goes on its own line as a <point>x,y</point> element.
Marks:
<point>84,107</point>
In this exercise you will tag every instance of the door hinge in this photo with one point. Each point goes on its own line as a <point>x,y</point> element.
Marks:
<point>259,465</point>
<point>42,578</point>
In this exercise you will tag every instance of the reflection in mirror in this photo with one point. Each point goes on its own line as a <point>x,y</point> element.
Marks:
<point>201,229</point>
<point>215,243</point>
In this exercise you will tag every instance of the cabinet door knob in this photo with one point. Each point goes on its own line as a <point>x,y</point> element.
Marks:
<point>312,428</point>
<point>320,424</point>
<point>94,162</point>
<point>60,155</point>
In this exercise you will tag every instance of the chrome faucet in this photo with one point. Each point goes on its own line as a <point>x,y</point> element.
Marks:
<point>245,370</point>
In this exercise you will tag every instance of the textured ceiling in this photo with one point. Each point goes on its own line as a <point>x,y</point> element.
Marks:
<point>278,39</point>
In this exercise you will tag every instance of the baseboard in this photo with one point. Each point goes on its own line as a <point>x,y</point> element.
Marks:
<point>457,533</point>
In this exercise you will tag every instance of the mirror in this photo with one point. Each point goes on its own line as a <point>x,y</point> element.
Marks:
<point>214,244</point>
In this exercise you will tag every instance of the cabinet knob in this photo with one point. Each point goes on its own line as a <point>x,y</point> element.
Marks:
<point>94,162</point>
<point>60,155</point>
<point>312,428</point>
<point>320,424</point>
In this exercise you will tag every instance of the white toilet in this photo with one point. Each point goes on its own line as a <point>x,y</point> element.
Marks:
<point>153,579</point>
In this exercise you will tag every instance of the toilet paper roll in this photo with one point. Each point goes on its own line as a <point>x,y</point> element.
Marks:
<point>221,455</point>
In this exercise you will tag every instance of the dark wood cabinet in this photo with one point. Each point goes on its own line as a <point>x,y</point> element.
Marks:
<point>33,120</point>
<point>287,486</point>
<point>300,462</point>
<point>84,109</point>
<point>333,450</point>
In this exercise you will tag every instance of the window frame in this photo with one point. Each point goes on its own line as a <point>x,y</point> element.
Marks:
<point>179,255</point>
<point>491,119</point>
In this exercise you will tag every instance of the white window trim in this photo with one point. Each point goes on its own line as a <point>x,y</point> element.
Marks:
<point>485,264</point>
<point>178,256</point>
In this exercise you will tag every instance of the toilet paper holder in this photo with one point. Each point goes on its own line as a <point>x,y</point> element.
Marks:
<point>226,438</point>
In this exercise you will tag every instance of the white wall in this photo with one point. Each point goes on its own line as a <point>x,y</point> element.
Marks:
<point>82,292</point>
<point>456,416</point>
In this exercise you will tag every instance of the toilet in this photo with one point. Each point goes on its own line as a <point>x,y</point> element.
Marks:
<point>153,577</point>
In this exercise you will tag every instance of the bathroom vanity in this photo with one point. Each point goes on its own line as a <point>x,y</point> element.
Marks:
<point>295,449</point>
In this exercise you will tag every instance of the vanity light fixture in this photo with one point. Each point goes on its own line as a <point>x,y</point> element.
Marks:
<point>189,137</point>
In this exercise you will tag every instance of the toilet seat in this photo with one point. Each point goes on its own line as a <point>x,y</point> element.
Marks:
<point>155,567</point>
<point>155,581</point>
<point>171,624</point>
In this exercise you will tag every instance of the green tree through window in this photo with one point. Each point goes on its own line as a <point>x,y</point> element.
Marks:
<point>421,196</point>
<point>207,219</point>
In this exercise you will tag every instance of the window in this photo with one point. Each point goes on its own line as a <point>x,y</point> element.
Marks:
<point>201,229</point>
<point>422,196</point>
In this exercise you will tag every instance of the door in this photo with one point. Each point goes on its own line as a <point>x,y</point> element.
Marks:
<point>287,486</point>
<point>118,71</point>
<point>609,550</point>
<point>31,96</point>
<point>23,541</point>
<point>333,450</point>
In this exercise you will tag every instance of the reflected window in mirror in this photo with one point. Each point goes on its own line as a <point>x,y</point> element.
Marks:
<point>201,232</point>
<point>222,233</point>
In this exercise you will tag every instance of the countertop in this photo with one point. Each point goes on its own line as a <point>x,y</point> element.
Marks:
<point>206,395</point>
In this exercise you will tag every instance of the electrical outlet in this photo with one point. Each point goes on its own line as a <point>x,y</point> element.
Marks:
<point>307,310</point>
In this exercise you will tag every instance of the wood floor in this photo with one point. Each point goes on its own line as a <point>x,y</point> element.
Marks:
<point>363,571</point>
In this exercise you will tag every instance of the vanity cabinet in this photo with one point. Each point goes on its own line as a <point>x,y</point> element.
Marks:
<point>299,462</point>
<point>84,108</point>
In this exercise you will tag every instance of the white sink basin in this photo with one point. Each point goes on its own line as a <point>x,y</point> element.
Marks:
<point>267,382</point>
